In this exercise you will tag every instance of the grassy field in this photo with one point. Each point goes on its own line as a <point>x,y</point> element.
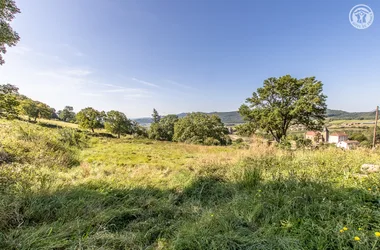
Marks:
<point>66,190</point>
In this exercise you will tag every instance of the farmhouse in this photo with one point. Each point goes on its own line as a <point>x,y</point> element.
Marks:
<point>317,136</point>
<point>337,137</point>
<point>348,144</point>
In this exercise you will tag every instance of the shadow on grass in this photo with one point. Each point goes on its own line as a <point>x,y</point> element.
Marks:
<point>211,213</point>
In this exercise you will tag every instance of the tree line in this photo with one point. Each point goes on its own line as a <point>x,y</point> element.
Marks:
<point>196,128</point>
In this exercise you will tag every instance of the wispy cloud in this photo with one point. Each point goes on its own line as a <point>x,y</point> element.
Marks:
<point>91,94</point>
<point>145,83</point>
<point>136,96</point>
<point>125,90</point>
<point>179,84</point>
<point>21,50</point>
<point>78,72</point>
<point>71,49</point>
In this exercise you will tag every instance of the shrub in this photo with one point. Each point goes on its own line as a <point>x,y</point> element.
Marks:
<point>197,127</point>
<point>71,137</point>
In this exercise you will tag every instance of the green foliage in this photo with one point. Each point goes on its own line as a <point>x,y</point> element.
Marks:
<point>67,114</point>
<point>197,127</point>
<point>246,129</point>
<point>72,137</point>
<point>35,109</point>
<point>286,101</point>
<point>8,36</point>
<point>89,118</point>
<point>358,137</point>
<point>164,129</point>
<point>8,101</point>
<point>117,122</point>
<point>303,143</point>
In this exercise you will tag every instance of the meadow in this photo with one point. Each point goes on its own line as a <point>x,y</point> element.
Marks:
<point>64,189</point>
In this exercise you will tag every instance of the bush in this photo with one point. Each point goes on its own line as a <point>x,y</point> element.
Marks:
<point>71,137</point>
<point>239,140</point>
<point>198,127</point>
<point>246,129</point>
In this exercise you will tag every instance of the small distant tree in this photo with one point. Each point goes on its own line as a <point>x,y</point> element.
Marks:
<point>117,123</point>
<point>67,114</point>
<point>286,101</point>
<point>164,129</point>
<point>8,36</point>
<point>90,118</point>
<point>202,129</point>
<point>156,117</point>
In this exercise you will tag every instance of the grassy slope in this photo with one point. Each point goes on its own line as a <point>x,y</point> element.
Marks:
<point>139,194</point>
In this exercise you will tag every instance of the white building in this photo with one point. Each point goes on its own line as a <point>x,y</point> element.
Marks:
<point>348,144</point>
<point>337,137</point>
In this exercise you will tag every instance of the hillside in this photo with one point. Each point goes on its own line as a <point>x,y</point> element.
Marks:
<point>64,189</point>
<point>234,117</point>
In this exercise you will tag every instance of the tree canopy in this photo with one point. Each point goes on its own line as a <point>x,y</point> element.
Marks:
<point>8,101</point>
<point>201,128</point>
<point>164,129</point>
<point>67,114</point>
<point>35,109</point>
<point>286,101</point>
<point>117,122</point>
<point>8,36</point>
<point>90,118</point>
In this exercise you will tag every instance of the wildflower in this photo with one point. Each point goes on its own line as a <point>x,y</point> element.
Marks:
<point>345,228</point>
<point>357,238</point>
<point>360,229</point>
<point>341,230</point>
<point>212,215</point>
<point>259,190</point>
<point>369,189</point>
<point>377,234</point>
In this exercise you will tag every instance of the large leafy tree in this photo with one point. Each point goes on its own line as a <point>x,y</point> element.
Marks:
<point>117,123</point>
<point>36,109</point>
<point>90,118</point>
<point>164,129</point>
<point>201,128</point>
<point>67,114</point>
<point>286,101</point>
<point>8,101</point>
<point>8,36</point>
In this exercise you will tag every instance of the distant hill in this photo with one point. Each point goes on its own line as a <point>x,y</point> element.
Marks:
<point>233,117</point>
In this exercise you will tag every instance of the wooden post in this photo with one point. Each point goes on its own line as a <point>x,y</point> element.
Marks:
<point>374,130</point>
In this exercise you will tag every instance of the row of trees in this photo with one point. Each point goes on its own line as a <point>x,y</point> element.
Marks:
<point>198,128</point>
<point>12,104</point>
<point>279,104</point>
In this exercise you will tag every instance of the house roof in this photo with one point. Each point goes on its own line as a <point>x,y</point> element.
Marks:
<point>338,134</point>
<point>312,132</point>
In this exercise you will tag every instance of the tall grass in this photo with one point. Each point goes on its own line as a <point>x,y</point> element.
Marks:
<point>139,194</point>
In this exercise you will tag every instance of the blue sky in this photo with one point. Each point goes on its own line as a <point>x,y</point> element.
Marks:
<point>189,55</point>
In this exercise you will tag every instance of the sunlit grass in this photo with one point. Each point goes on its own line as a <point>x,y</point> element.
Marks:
<point>142,194</point>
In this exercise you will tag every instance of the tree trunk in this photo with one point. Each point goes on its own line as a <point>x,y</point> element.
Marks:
<point>118,135</point>
<point>92,129</point>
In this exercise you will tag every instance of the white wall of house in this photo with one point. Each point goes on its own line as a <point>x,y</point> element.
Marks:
<point>336,139</point>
